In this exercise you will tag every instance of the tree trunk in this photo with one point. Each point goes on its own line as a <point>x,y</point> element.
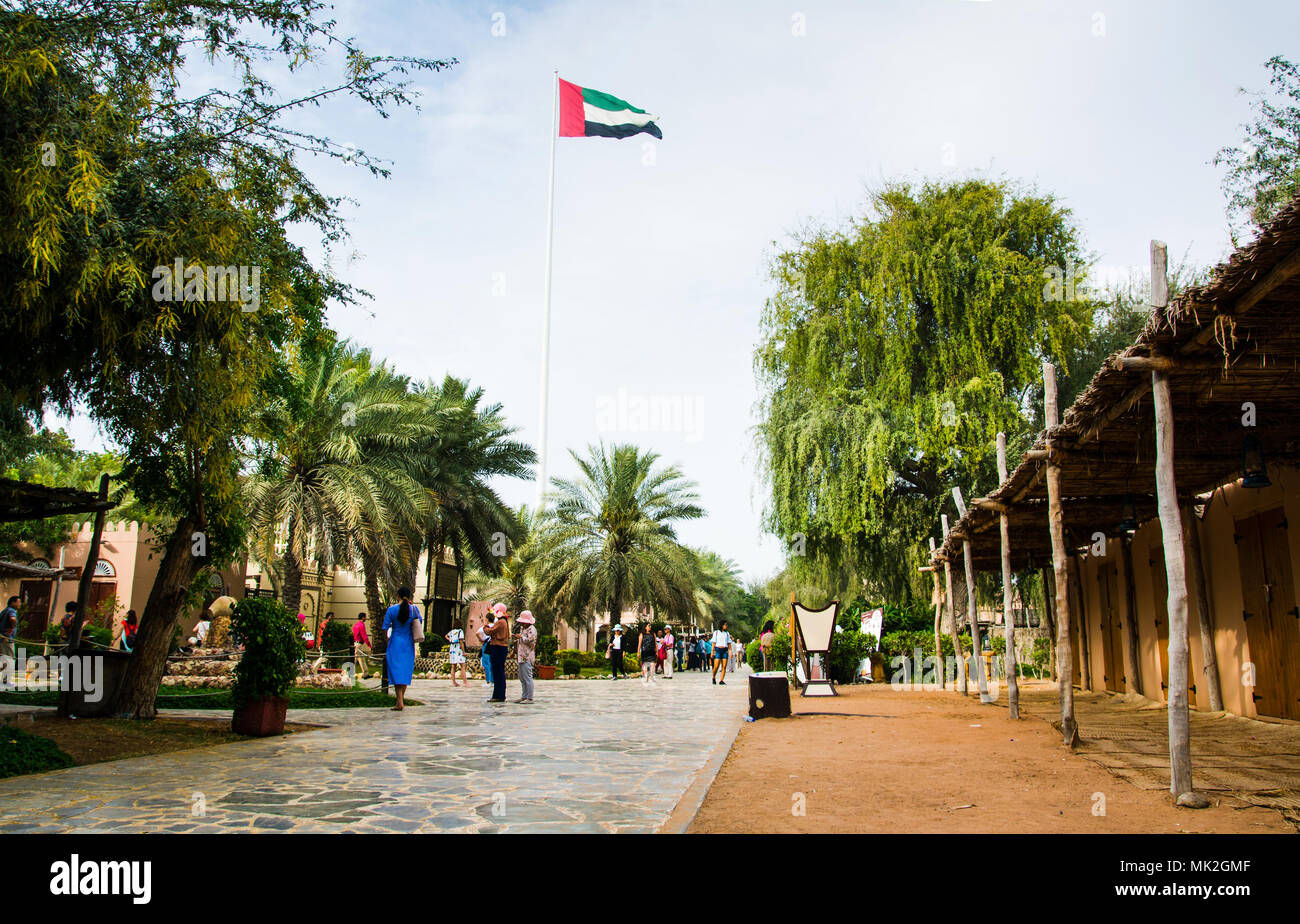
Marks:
<point>1008,623</point>
<point>292,569</point>
<point>176,573</point>
<point>1049,615</point>
<point>972,617</point>
<point>953,628</point>
<point>1171,528</point>
<point>375,616</point>
<point>1060,565</point>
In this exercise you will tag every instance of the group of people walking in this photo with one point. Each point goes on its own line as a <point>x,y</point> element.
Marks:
<point>403,626</point>
<point>659,652</point>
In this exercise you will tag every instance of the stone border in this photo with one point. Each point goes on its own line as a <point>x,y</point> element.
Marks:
<point>688,806</point>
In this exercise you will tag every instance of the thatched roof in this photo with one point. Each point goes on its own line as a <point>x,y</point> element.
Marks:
<point>1233,340</point>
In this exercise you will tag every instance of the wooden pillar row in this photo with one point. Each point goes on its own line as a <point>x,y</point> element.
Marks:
<point>972,609</point>
<point>1060,567</point>
<point>952,618</point>
<point>1010,668</point>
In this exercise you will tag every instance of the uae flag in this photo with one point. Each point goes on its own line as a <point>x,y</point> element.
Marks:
<point>589,113</point>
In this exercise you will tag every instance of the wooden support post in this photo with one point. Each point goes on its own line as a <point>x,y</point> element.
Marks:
<point>1171,529</point>
<point>1081,607</point>
<point>972,611</point>
<point>1132,663</point>
<point>794,643</point>
<point>83,587</point>
<point>1060,567</point>
<point>952,619</point>
<point>1196,568</point>
<point>1049,613</point>
<point>1010,667</point>
<point>938,619</point>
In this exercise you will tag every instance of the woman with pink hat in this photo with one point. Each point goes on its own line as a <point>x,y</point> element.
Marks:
<point>525,652</point>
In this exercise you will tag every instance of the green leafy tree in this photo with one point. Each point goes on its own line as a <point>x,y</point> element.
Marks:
<point>891,355</point>
<point>114,172</point>
<point>610,537</point>
<point>1264,169</point>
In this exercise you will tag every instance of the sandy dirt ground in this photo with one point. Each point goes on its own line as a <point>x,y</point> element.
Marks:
<point>932,762</point>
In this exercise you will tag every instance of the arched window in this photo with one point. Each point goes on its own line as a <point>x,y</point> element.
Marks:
<point>104,568</point>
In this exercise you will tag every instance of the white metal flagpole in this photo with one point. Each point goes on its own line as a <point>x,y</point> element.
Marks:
<point>546,316</point>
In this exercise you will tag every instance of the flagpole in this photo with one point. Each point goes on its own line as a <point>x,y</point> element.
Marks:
<point>546,313</point>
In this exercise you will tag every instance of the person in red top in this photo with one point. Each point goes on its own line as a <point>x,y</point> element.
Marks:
<point>360,642</point>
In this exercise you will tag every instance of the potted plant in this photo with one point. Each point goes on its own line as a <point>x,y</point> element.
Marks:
<point>273,646</point>
<point>547,645</point>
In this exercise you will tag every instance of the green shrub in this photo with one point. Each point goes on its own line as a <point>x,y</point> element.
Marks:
<point>431,645</point>
<point>572,667</point>
<point>754,655</point>
<point>337,643</point>
<point>848,648</point>
<point>21,753</point>
<point>273,646</point>
<point>585,658</point>
<point>547,646</point>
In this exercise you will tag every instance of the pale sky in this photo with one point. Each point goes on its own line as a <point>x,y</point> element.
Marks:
<point>773,115</point>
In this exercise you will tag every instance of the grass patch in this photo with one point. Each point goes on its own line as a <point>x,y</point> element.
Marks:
<point>220,699</point>
<point>22,753</point>
<point>73,742</point>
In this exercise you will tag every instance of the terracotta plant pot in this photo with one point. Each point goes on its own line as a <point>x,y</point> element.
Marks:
<point>261,717</point>
<point>546,672</point>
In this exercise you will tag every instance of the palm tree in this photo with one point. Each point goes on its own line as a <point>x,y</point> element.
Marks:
<point>334,469</point>
<point>455,461</point>
<point>610,538</point>
<point>513,583</point>
<point>717,585</point>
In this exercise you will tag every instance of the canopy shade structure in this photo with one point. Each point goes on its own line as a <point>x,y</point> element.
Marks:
<point>1231,348</point>
<point>816,627</point>
<point>21,500</point>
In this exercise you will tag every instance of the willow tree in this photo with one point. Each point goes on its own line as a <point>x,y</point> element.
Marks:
<point>892,353</point>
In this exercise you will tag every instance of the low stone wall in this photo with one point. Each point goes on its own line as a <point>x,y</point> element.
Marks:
<point>215,669</point>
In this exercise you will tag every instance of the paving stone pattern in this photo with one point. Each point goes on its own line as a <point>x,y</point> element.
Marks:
<point>589,756</point>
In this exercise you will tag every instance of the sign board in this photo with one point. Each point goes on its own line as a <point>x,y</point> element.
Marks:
<point>873,622</point>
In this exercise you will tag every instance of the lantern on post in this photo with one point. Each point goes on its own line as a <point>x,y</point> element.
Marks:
<point>816,628</point>
<point>1254,467</point>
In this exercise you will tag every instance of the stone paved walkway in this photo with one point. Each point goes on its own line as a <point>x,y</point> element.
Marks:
<point>589,756</point>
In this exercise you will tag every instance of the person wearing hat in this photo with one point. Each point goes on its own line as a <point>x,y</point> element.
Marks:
<point>498,640</point>
<point>526,654</point>
<point>616,652</point>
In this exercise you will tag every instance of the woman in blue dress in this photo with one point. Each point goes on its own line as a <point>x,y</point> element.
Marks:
<point>399,624</point>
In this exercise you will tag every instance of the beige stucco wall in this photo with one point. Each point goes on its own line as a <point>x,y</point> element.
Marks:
<point>1223,579</point>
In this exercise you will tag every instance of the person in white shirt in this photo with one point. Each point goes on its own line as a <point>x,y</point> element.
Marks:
<point>721,644</point>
